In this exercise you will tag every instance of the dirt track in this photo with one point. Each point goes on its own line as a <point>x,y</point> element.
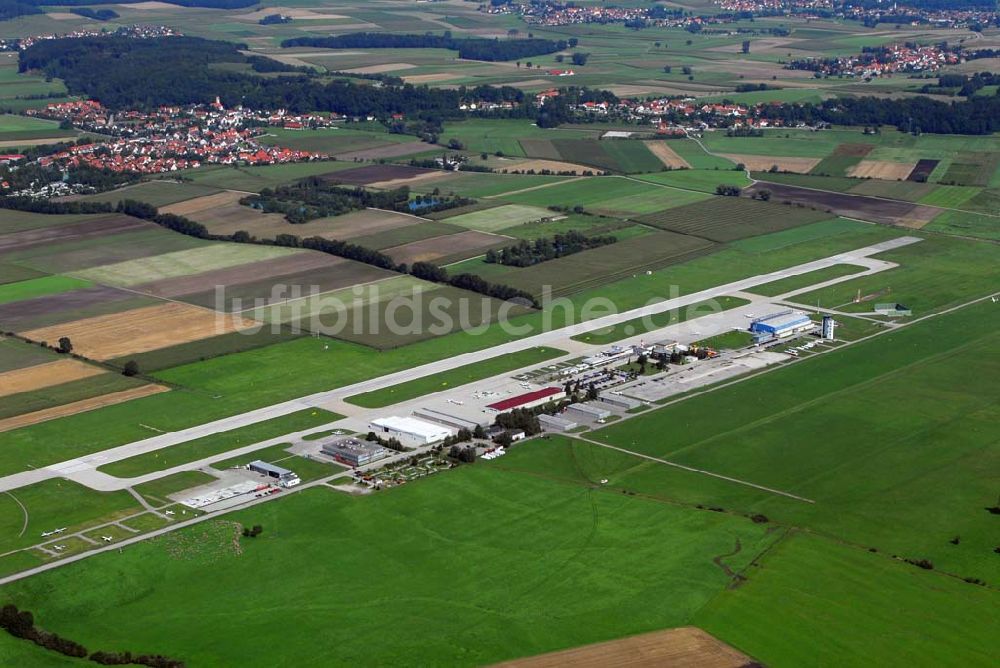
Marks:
<point>666,154</point>
<point>686,647</point>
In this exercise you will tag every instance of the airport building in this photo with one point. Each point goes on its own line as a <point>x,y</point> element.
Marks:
<point>618,401</point>
<point>588,412</point>
<point>409,431</point>
<point>283,476</point>
<point>527,400</point>
<point>354,453</point>
<point>453,418</point>
<point>556,423</point>
<point>780,325</point>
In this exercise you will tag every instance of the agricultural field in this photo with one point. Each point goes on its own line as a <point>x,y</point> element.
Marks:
<point>724,219</point>
<point>612,196</point>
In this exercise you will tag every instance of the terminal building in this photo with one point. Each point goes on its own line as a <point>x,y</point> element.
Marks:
<point>354,453</point>
<point>780,325</point>
<point>527,400</point>
<point>282,476</point>
<point>409,430</point>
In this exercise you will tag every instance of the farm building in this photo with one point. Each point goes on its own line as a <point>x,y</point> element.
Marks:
<point>588,412</point>
<point>285,477</point>
<point>354,453</point>
<point>527,400</point>
<point>780,325</point>
<point>555,423</point>
<point>409,431</point>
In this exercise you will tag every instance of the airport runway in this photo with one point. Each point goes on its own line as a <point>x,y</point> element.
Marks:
<point>83,469</point>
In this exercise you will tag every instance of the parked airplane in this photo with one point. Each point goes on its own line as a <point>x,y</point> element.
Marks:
<point>108,539</point>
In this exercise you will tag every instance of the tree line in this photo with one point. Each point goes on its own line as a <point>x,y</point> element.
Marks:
<point>21,624</point>
<point>470,48</point>
<point>527,253</point>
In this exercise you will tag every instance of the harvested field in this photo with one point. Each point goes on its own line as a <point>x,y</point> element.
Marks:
<point>183,263</point>
<point>468,244</point>
<point>853,150</point>
<point>45,375</point>
<point>379,69</point>
<point>388,151</point>
<point>881,169</point>
<point>139,330</point>
<point>97,227</point>
<point>551,165</point>
<point>36,417</point>
<point>922,170</point>
<point>686,647</point>
<point>368,174</point>
<point>50,309</point>
<point>667,155</point>
<point>760,163</point>
<point>873,209</point>
<point>421,179</point>
<point>197,205</point>
<point>730,218</point>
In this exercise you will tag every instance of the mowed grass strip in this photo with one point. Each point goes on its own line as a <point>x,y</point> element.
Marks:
<point>40,287</point>
<point>182,263</point>
<point>647,324</point>
<point>215,444</point>
<point>723,219</point>
<point>491,220</point>
<point>395,394</point>
<point>803,281</point>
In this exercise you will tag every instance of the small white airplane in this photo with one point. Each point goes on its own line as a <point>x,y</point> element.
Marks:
<point>59,548</point>
<point>168,512</point>
<point>59,530</point>
<point>108,539</point>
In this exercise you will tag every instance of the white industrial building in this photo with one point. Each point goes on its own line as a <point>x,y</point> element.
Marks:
<point>555,423</point>
<point>587,411</point>
<point>409,430</point>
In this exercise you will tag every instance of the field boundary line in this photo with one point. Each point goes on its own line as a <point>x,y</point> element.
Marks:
<point>529,189</point>
<point>693,469</point>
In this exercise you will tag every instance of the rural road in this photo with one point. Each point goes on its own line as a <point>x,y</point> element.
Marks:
<point>83,469</point>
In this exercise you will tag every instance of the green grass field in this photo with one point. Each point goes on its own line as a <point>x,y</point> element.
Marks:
<point>456,377</point>
<point>207,446</point>
<point>727,341</point>
<point>704,180</point>
<point>967,224</point>
<point>158,192</point>
<point>39,287</point>
<point>500,217</point>
<point>54,504</point>
<point>806,280</point>
<point>724,219</point>
<point>610,195</point>
<point>611,564</point>
<point>65,393</point>
<point>902,481</point>
<point>811,599</point>
<point>934,274</point>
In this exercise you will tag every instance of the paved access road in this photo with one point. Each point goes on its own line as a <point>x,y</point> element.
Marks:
<point>83,469</point>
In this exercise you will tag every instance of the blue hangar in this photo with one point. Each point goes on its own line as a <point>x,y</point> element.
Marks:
<point>780,325</point>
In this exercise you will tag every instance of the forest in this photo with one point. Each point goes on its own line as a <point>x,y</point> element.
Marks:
<point>472,48</point>
<point>177,72</point>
